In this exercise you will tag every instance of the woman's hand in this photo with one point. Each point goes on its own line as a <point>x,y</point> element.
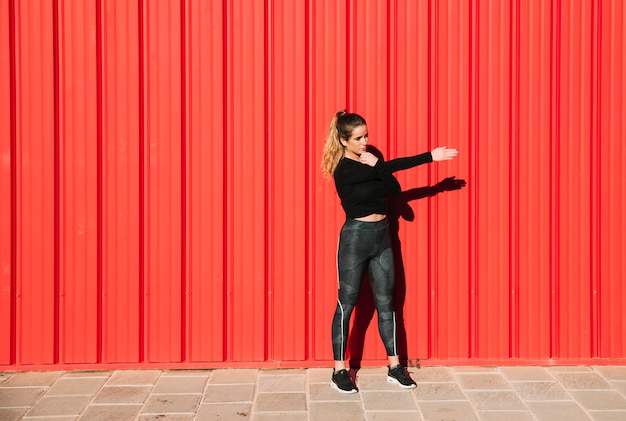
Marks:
<point>443,154</point>
<point>368,159</point>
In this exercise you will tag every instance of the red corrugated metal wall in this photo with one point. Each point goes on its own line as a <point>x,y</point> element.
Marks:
<point>161,200</point>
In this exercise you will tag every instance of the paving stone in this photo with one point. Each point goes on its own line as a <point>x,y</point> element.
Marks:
<point>88,373</point>
<point>163,404</point>
<point>438,392</point>
<point>323,392</point>
<point>186,373</point>
<point>608,415</point>
<point>582,381</point>
<point>171,384</point>
<point>569,369</point>
<point>432,375</point>
<point>495,400</point>
<point>170,417</point>
<point>12,414</point>
<point>280,416</point>
<point>336,411</point>
<point>20,396</point>
<point>123,394</point>
<point>319,375</point>
<point>474,369</point>
<point>620,386</point>
<point>612,372</point>
<point>448,411</point>
<point>134,377</point>
<point>279,402</point>
<point>225,411</point>
<point>233,375</point>
<point>229,393</point>
<point>526,373</point>
<point>33,379</point>
<point>56,418</point>
<point>4,378</point>
<point>392,415</point>
<point>554,410</point>
<point>282,383</point>
<point>371,382</point>
<point>111,412</point>
<point>540,391</point>
<point>600,399</point>
<point>483,381</point>
<point>506,415</point>
<point>59,405</point>
<point>379,401</point>
<point>76,386</point>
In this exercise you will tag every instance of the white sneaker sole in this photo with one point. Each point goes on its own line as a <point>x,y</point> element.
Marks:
<point>394,381</point>
<point>334,386</point>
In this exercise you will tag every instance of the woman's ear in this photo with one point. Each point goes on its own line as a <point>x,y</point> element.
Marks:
<point>343,142</point>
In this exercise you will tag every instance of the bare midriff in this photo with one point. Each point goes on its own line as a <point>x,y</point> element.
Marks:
<point>374,217</point>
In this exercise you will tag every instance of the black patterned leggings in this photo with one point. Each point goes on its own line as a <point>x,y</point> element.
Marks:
<point>364,246</point>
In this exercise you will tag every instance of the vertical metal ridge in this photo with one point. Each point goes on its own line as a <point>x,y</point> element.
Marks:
<point>555,103</point>
<point>183,183</point>
<point>99,184</point>
<point>392,68</point>
<point>514,178</point>
<point>596,189</point>
<point>227,333</point>
<point>142,194</point>
<point>433,348</point>
<point>350,55</point>
<point>57,204</point>
<point>308,136</point>
<point>268,349</point>
<point>13,143</point>
<point>473,186</point>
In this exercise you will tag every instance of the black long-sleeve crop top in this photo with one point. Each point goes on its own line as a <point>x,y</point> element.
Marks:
<point>363,189</point>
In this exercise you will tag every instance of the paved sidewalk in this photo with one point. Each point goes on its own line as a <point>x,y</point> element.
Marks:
<point>443,393</point>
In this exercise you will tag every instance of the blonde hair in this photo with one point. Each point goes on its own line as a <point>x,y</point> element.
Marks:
<point>340,127</point>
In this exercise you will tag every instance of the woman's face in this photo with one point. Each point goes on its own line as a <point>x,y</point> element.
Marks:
<point>357,143</point>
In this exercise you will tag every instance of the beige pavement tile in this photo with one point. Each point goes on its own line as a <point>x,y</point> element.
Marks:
<point>279,402</point>
<point>110,412</point>
<point>281,383</point>
<point>168,385</point>
<point>335,411</point>
<point>76,386</point>
<point>506,415</point>
<point>12,414</point>
<point>323,392</point>
<point>581,381</point>
<point>163,404</point>
<point>20,396</point>
<point>134,377</point>
<point>474,369</point>
<point>59,405</point>
<point>392,416</point>
<point>482,381</point>
<point>55,418</point>
<point>282,372</point>
<point>554,410</point>
<point>380,401</point>
<point>87,373</point>
<point>319,375</point>
<point>438,392</point>
<point>540,391</point>
<point>168,417</point>
<point>570,369</point>
<point>123,394</point>
<point>526,373</point>
<point>432,374</point>
<point>447,411</point>
<point>600,399</point>
<point>495,400</point>
<point>620,386</point>
<point>233,375</point>
<point>224,411</point>
<point>280,416</point>
<point>369,382</point>
<point>229,393</point>
<point>186,373</point>
<point>33,379</point>
<point>608,415</point>
<point>4,377</point>
<point>612,372</point>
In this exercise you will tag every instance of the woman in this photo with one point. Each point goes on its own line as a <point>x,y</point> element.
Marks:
<point>363,182</point>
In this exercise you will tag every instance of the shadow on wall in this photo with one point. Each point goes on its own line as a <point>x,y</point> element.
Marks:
<point>398,207</point>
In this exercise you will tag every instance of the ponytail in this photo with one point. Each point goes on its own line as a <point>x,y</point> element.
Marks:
<point>340,127</point>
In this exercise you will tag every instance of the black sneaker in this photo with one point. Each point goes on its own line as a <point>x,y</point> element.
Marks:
<point>342,381</point>
<point>399,376</point>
